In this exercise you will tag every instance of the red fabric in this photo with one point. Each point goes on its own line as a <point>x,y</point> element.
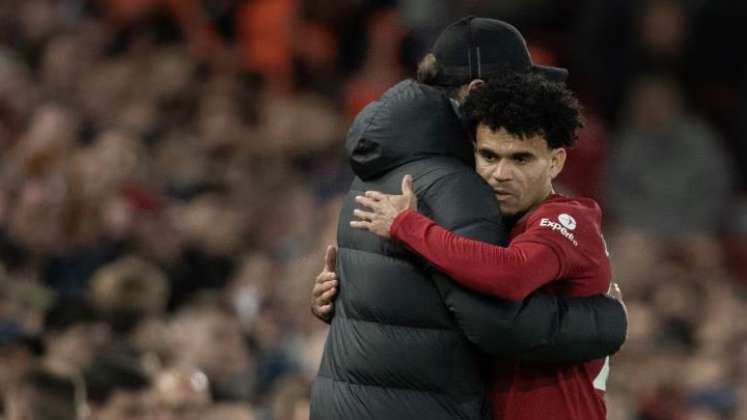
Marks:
<point>557,248</point>
<point>266,28</point>
<point>587,161</point>
<point>202,37</point>
<point>510,273</point>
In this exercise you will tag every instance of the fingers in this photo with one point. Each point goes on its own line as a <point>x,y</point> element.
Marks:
<point>324,291</point>
<point>375,195</point>
<point>325,277</point>
<point>324,295</point>
<point>360,224</point>
<point>323,286</point>
<point>363,215</point>
<point>324,310</point>
<point>327,297</point>
<point>367,202</point>
<point>407,185</point>
<point>330,259</point>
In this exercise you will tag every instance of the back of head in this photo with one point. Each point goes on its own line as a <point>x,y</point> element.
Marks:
<point>409,122</point>
<point>42,395</point>
<point>526,105</point>
<point>128,290</point>
<point>475,48</point>
<point>110,373</point>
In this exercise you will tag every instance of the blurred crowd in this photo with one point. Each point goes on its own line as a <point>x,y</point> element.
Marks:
<point>171,170</point>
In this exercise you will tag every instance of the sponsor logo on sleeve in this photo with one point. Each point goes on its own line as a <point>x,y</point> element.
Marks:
<point>568,221</point>
<point>565,225</point>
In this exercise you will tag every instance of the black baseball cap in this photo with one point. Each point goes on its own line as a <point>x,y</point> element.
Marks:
<point>478,48</point>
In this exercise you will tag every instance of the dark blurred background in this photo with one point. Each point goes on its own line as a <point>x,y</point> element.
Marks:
<point>171,171</point>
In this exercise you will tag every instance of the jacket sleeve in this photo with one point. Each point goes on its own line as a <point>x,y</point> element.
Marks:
<point>541,328</point>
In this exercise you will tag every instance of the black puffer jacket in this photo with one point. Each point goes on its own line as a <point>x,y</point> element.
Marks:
<point>406,343</point>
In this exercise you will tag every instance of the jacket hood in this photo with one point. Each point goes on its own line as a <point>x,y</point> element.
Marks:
<point>411,121</point>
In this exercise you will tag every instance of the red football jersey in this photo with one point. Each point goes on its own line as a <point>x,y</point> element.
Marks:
<point>572,228</point>
<point>557,248</point>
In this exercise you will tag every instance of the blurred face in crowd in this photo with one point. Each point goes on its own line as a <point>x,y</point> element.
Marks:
<point>48,139</point>
<point>249,286</point>
<point>663,27</point>
<point>110,161</point>
<point>37,18</point>
<point>213,224</point>
<point>125,405</point>
<point>73,348</point>
<point>654,103</point>
<point>290,399</point>
<point>15,359</point>
<point>520,171</point>
<point>181,394</point>
<point>61,63</point>
<point>213,341</point>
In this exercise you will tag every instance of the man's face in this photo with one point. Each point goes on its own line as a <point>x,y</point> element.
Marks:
<point>215,344</point>
<point>520,171</point>
<point>74,347</point>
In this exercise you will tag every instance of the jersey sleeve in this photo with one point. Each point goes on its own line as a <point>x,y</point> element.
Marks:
<point>510,273</point>
<point>568,231</point>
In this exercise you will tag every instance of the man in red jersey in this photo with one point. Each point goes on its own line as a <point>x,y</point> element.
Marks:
<point>522,125</point>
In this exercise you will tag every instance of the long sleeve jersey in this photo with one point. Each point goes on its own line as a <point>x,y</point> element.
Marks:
<point>558,247</point>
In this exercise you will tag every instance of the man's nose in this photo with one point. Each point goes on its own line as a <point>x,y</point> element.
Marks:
<point>503,171</point>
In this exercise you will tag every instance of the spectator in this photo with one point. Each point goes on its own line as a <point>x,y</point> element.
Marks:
<point>42,395</point>
<point>128,291</point>
<point>290,399</point>
<point>117,389</point>
<point>665,157</point>
<point>181,394</point>
<point>210,339</point>
<point>74,335</point>
<point>18,349</point>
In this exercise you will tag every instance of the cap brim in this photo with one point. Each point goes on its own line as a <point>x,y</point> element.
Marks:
<point>556,74</point>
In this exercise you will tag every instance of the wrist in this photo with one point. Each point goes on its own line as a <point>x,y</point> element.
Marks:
<point>399,220</point>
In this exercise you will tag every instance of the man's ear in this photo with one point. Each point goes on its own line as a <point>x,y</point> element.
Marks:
<point>557,162</point>
<point>475,84</point>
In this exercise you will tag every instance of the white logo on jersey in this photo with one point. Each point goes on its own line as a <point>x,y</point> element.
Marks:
<point>557,227</point>
<point>567,221</point>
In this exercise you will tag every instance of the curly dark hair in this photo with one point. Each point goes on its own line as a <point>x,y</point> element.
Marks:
<point>526,105</point>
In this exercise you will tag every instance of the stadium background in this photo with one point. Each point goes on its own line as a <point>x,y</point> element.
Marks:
<point>162,161</point>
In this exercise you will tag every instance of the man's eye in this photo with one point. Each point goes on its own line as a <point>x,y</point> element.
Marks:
<point>488,157</point>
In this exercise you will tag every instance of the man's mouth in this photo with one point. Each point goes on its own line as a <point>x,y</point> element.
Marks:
<point>502,194</point>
